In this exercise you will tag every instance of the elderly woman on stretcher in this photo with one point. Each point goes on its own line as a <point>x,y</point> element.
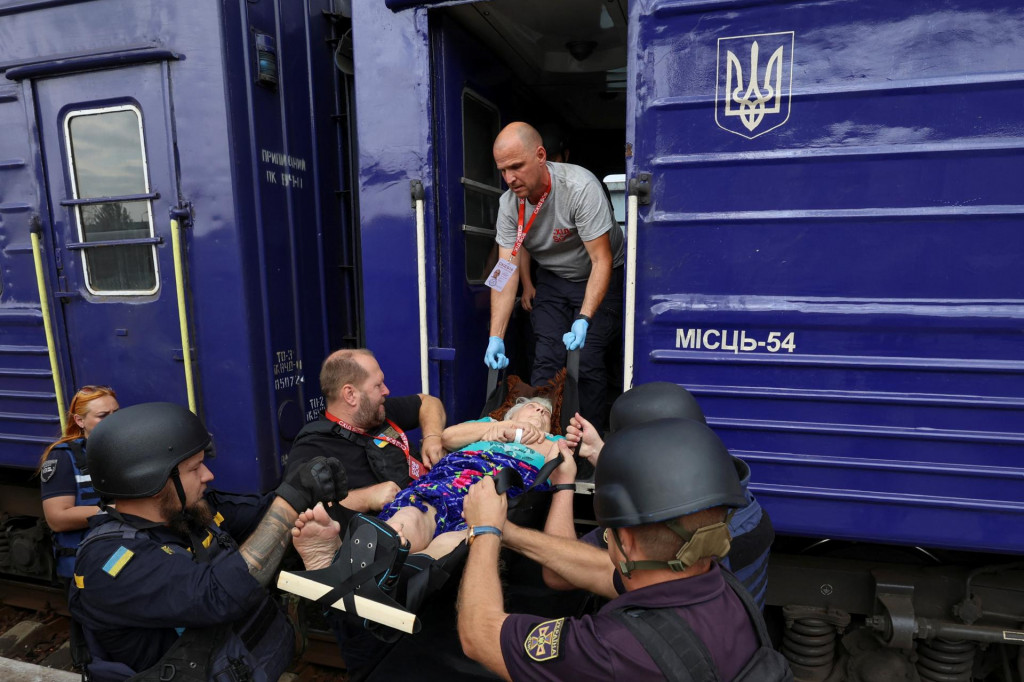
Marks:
<point>432,506</point>
<point>426,518</point>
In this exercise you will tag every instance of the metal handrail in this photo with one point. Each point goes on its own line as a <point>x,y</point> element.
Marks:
<point>44,304</point>
<point>179,286</point>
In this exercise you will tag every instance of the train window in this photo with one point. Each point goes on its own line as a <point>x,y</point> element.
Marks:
<point>481,185</point>
<point>107,160</point>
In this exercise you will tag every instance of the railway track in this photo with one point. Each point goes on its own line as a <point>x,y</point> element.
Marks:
<point>35,627</point>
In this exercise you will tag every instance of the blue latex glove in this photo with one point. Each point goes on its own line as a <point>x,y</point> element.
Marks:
<point>575,337</point>
<point>495,355</point>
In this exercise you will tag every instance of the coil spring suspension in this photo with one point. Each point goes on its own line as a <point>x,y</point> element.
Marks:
<point>809,645</point>
<point>943,660</point>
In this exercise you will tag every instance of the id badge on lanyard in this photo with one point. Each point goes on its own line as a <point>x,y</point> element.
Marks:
<point>504,269</point>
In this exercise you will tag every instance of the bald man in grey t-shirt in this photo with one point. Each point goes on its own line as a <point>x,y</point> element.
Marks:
<point>559,213</point>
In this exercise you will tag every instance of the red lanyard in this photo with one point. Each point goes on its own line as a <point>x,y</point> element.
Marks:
<point>415,467</point>
<point>520,231</point>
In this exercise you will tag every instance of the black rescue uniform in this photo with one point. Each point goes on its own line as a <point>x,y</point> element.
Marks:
<point>367,460</point>
<point>138,586</point>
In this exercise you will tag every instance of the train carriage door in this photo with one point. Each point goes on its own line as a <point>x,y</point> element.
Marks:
<point>107,146</point>
<point>468,251</point>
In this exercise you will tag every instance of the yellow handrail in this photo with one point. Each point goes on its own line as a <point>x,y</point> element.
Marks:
<point>44,304</point>
<point>179,285</point>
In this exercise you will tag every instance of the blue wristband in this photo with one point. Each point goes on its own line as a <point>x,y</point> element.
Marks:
<point>482,530</point>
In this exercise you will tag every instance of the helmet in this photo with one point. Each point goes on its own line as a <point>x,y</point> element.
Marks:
<point>656,400</point>
<point>661,400</point>
<point>133,452</point>
<point>661,470</point>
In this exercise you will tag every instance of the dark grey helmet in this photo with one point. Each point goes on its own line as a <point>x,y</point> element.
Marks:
<point>661,400</point>
<point>653,401</point>
<point>661,470</point>
<point>133,452</point>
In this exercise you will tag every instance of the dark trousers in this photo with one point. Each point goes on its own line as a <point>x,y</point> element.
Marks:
<point>556,305</point>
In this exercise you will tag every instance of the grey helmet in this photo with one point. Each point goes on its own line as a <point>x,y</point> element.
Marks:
<point>662,470</point>
<point>662,400</point>
<point>653,401</point>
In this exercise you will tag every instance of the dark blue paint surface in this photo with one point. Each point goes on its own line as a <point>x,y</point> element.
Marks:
<point>879,224</point>
<point>254,258</point>
<point>395,148</point>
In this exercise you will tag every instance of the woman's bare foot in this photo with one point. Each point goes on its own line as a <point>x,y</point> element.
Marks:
<point>316,537</point>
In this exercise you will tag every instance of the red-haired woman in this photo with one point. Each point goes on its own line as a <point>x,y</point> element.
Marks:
<point>68,497</point>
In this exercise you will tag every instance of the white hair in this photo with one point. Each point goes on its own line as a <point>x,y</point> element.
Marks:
<point>521,400</point>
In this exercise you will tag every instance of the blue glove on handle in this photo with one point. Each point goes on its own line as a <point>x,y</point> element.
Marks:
<point>495,355</point>
<point>577,336</point>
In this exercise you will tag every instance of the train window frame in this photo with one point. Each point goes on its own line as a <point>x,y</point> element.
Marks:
<point>88,268</point>
<point>477,233</point>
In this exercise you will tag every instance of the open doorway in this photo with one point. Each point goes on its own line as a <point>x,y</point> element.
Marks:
<point>569,58</point>
<point>560,66</point>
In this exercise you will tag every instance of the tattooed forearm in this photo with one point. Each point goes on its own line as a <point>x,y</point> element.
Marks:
<point>267,544</point>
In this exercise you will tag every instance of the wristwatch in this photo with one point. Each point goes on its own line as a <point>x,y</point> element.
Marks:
<point>482,530</point>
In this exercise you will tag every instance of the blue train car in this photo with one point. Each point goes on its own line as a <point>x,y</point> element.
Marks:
<point>830,255</point>
<point>825,248</point>
<point>229,118</point>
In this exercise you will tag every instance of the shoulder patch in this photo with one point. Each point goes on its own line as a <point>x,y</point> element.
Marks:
<point>117,561</point>
<point>167,549</point>
<point>544,643</point>
<point>48,469</point>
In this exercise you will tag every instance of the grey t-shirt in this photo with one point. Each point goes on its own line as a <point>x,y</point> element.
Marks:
<point>575,211</point>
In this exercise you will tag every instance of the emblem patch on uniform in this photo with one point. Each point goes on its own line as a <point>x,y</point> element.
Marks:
<point>117,561</point>
<point>390,432</point>
<point>167,549</point>
<point>545,640</point>
<point>48,469</point>
<point>755,79</point>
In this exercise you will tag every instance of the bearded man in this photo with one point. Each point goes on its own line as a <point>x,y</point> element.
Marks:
<point>364,429</point>
<point>161,583</point>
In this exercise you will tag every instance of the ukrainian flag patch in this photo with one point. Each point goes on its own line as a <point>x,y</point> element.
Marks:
<point>117,561</point>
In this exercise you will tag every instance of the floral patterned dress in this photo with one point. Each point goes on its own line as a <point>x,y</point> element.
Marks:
<point>444,487</point>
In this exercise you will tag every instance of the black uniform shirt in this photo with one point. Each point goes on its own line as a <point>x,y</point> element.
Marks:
<point>404,411</point>
<point>599,647</point>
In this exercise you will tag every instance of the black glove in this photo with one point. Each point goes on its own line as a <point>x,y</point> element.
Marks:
<point>320,479</point>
